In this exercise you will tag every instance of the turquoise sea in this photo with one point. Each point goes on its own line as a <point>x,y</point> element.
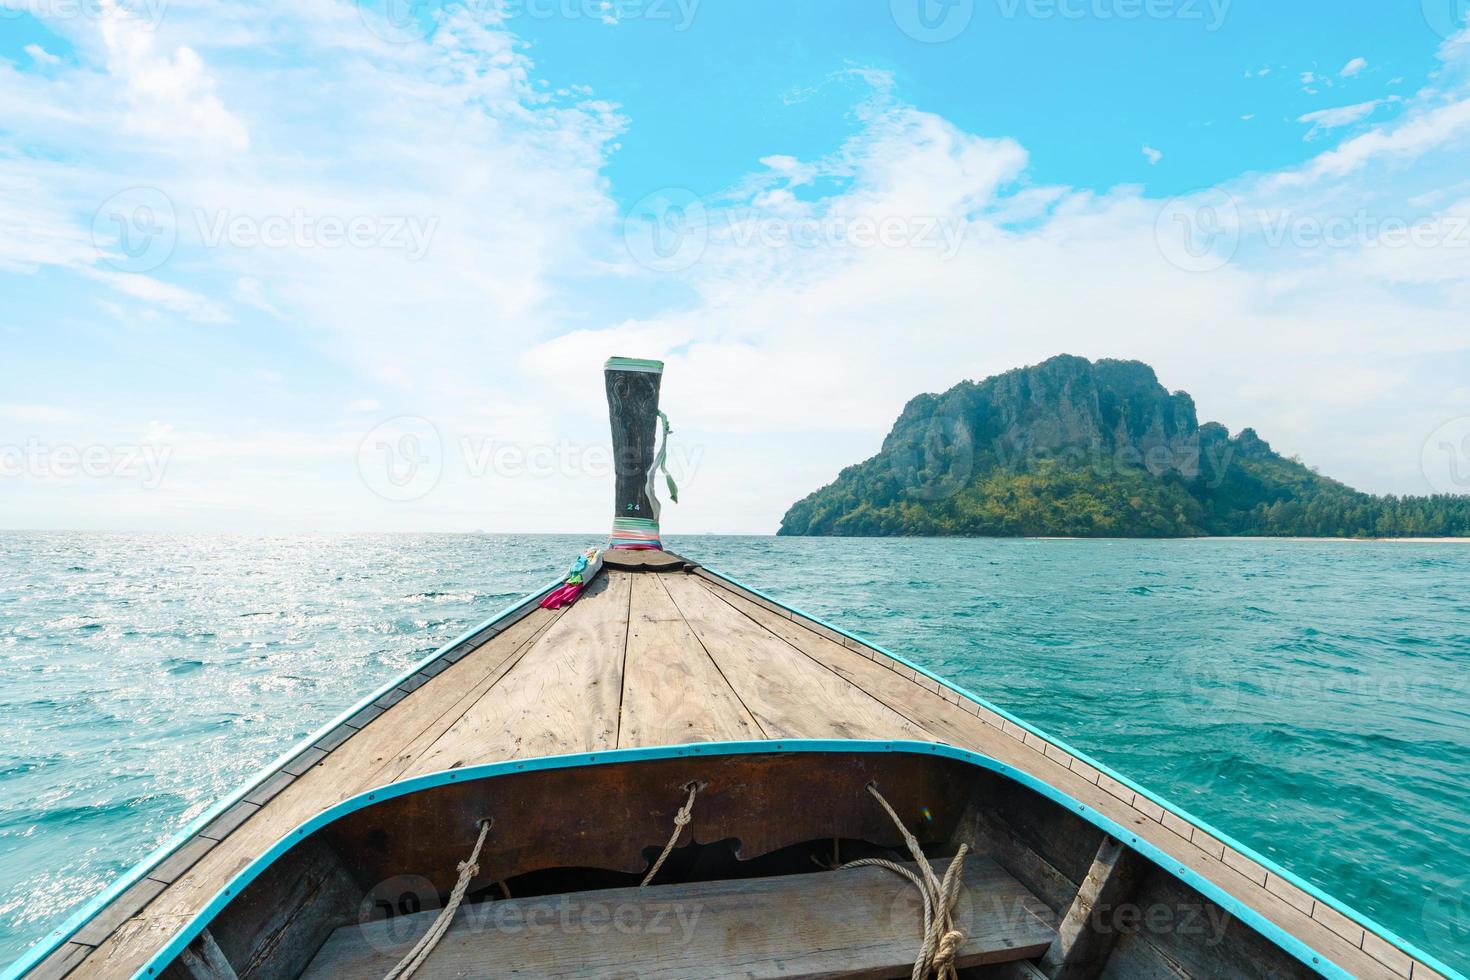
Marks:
<point>1312,699</point>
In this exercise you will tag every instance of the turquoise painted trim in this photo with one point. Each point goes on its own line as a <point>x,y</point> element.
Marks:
<point>1384,933</point>
<point>53,939</point>
<point>1291,944</point>
<point>642,364</point>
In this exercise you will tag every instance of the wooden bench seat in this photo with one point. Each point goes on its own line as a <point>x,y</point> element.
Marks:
<point>864,922</point>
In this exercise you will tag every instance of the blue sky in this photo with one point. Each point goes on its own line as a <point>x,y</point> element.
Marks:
<point>319,265</point>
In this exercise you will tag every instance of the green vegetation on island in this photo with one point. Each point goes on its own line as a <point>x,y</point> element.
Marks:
<point>1077,448</point>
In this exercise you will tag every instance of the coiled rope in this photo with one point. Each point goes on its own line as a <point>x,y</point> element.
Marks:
<point>421,949</point>
<point>942,940</point>
<point>681,818</point>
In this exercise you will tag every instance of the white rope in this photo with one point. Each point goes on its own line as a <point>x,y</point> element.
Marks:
<point>427,942</point>
<point>680,819</point>
<point>941,939</point>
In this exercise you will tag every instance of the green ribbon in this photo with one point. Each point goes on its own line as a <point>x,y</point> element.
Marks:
<point>662,463</point>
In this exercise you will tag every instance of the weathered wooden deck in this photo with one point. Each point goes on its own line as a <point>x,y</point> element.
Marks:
<point>659,658</point>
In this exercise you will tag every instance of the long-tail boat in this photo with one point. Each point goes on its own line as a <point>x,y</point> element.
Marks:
<point>677,775</point>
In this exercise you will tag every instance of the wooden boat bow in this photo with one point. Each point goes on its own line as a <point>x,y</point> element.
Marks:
<point>577,728</point>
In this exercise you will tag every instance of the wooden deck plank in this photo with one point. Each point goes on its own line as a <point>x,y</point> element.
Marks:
<point>672,691</point>
<point>948,722</point>
<point>957,726</point>
<point>521,638</point>
<point>561,697</point>
<point>789,695</point>
<point>859,922</point>
<point>331,779</point>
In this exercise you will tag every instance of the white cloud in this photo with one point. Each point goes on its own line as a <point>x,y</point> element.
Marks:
<point>171,97</point>
<point>52,414</point>
<point>40,55</point>
<point>1353,67</point>
<point>192,305</point>
<point>1325,119</point>
<point>1153,155</point>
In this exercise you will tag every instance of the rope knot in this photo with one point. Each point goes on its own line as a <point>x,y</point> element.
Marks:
<point>949,947</point>
<point>682,816</point>
<point>468,868</point>
<point>942,941</point>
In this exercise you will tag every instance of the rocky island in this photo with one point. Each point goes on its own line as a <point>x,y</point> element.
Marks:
<point>1094,449</point>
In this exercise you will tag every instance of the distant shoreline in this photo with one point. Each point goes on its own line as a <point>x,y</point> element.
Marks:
<point>1073,537</point>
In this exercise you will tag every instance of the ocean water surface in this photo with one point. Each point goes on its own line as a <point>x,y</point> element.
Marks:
<point>1312,699</point>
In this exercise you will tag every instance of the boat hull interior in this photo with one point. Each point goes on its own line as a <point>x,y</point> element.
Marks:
<point>754,873</point>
